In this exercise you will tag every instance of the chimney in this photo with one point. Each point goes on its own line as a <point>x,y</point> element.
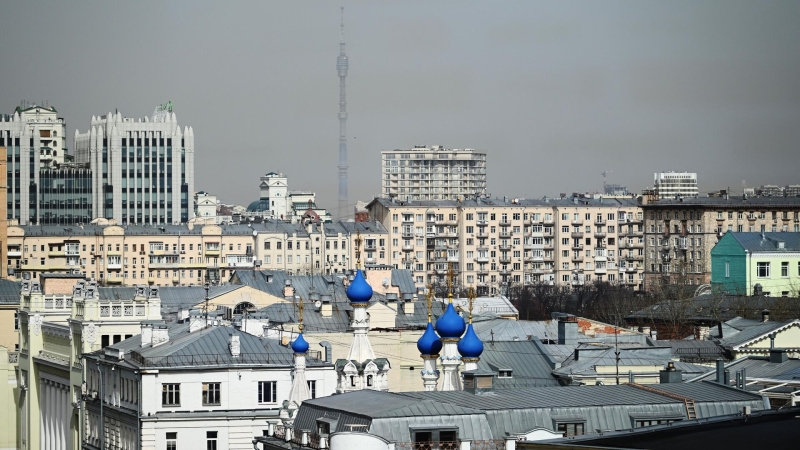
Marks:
<point>772,340</point>
<point>478,382</point>
<point>720,371</point>
<point>654,334</point>
<point>646,330</point>
<point>670,374</point>
<point>765,315</point>
<point>154,333</point>
<point>568,331</point>
<point>408,303</point>
<point>234,346</point>
<point>777,355</point>
<point>326,310</point>
<point>288,290</point>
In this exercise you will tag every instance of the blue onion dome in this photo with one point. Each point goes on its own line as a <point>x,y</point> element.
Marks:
<point>470,346</point>
<point>450,324</point>
<point>300,345</point>
<point>359,290</point>
<point>429,343</point>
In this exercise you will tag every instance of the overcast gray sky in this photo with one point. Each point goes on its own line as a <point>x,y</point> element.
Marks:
<point>554,92</point>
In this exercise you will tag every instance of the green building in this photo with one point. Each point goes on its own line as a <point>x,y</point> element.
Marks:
<point>740,262</point>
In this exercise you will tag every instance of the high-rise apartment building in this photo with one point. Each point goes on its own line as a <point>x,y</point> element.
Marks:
<point>680,233</point>
<point>44,185</point>
<point>142,169</point>
<point>433,173</point>
<point>675,184</point>
<point>495,243</point>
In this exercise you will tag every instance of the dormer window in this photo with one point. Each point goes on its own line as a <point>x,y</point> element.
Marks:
<point>504,373</point>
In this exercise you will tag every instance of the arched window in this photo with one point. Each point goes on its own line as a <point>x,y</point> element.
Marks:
<point>369,380</point>
<point>242,307</point>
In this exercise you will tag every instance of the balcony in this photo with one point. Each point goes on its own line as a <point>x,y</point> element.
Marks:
<point>446,222</point>
<point>577,234</point>
<point>212,251</point>
<point>577,246</point>
<point>434,445</point>
<point>577,258</point>
<point>600,234</point>
<point>114,280</point>
<point>537,258</point>
<point>505,247</point>
<point>483,271</point>
<point>504,223</point>
<point>14,252</point>
<point>114,266</point>
<point>548,222</point>
<point>577,222</point>
<point>505,272</point>
<point>408,234</point>
<point>481,223</point>
<point>482,235</point>
<point>631,269</point>
<point>504,260</point>
<point>408,218</point>
<point>482,259</point>
<point>56,253</point>
<point>505,234</point>
<point>599,221</point>
<point>408,248</point>
<point>447,234</point>
<point>599,270</point>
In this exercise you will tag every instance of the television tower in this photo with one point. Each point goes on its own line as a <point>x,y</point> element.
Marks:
<point>341,67</point>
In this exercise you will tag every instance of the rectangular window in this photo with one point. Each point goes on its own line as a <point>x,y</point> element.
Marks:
<point>312,388</point>
<point>211,394</point>
<point>785,269</point>
<point>211,440</point>
<point>570,429</point>
<point>171,394</point>
<point>727,269</point>
<point>762,269</point>
<point>172,441</point>
<point>267,391</point>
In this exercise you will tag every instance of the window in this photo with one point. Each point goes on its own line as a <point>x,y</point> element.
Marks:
<point>570,429</point>
<point>727,269</point>
<point>312,388</point>
<point>504,374</point>
<point>211,440</point>
<point>172,441</point>
<point>650,422</point>
<point>211,394</point>
<point>785,269</point>
<point>762,269</point>
<point>171,394</point>
<point>267,391</point>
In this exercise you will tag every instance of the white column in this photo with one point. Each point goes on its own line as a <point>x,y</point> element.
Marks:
<point>451,359</point>
<point>42,411</point>
<point>430,376</point>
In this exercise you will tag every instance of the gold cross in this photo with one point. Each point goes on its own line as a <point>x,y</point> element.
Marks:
<point>358,249</point>
<point>471,296</point>
<point>300,307</point>
<point>429,298</point>
<point>450,274</point>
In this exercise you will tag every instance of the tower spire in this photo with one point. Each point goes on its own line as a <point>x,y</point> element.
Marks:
<point>341,67</point>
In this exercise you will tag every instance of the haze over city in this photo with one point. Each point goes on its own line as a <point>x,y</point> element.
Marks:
<point>555,93</point>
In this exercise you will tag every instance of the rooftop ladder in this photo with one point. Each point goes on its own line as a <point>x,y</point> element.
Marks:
<point>691,409</point>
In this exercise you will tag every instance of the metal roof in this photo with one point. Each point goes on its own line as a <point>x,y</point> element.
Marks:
<point>9,292</point>
<point>586,358</point>
<point>522,202</point>
<point>755,332</point>
<point>768,242</point>
<point>529,364</point>
<point>731,202</point>
<point>759,367</point>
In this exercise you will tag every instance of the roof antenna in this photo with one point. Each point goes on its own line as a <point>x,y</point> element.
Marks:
<point>206,306</point>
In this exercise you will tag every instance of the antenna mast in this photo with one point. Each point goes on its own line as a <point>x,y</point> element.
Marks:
<point>341,67</point>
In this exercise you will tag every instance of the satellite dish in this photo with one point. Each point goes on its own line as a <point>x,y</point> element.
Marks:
<point>317,303</point>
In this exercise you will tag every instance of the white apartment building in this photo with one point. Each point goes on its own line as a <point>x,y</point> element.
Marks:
<point>34,137</point>
<point>205,207</point>
<point>433,173</point>
<point>143,169</point>
<point>188,385</point>
<point>495,243</point>
<point>675,184</point>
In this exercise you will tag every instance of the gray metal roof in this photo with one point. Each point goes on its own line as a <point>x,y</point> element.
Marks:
<point>768,242</point>
<point>493,202</point>
<point>760,367</point>
<point>175,298</point>
<point>586,358</point>
<point>9,292</point>
<point>692,348</point>
<point>208,347</point>
<point>754,332</point>
<point>529,363</point>
<point>751,203</point>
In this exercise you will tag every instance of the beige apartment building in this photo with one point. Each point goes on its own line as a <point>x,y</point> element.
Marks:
<point>189,254</point>
<point>680,233</point>
<point>495,243</point>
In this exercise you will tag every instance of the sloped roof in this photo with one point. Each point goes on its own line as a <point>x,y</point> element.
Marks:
<point>754,332</point>
<point>529,363</point>
<point>377,404</point>
<point>692,348</point>
<point>587,357</point>
<point>768,242</point>
<point>759,367</point>
<point>9,292</point>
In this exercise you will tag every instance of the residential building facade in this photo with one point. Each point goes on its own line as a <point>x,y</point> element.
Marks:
<point>277,202</point>
<point>190,254</point>
<point>142,169</point>
<point>675,184</point>
<point>494,243</point>
<point>433,173</point>
<point>757,264</point>
<point>680,233</point>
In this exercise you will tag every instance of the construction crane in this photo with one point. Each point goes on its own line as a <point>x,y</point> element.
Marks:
<point>604,173</point>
